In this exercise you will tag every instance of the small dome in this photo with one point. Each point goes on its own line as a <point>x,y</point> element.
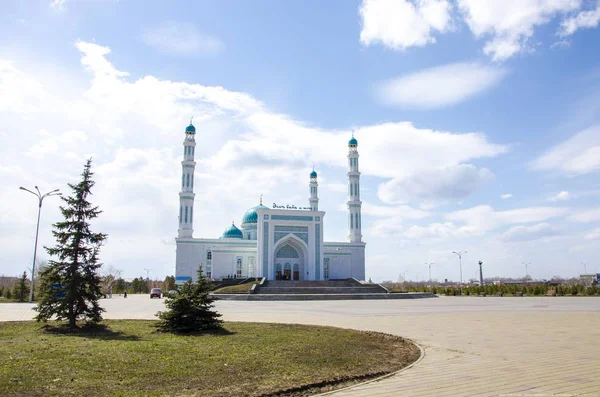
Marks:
<point>251,216</point>
<point>352,142</point>
<point>232,232</point>
<point>190,128</point>
<point>313,174</point>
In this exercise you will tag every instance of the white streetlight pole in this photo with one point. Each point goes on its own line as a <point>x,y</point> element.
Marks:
<point>584,267</point>
<point>429,264</point>
<point>526,269</point>
<point>460,254</point>
<point>40,197</point>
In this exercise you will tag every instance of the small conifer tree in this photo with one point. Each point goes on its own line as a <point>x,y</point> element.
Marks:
<point>21,288</point>
<point>71,284</point>
<point>191,310</point>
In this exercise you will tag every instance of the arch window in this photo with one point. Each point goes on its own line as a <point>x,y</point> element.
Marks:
<point>250,266</point>
<point>238,268</point>
<point>209,255</point>
<point>278,272</point>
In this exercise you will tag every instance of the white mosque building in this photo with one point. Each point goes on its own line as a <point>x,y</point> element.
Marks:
<point>276,243</point>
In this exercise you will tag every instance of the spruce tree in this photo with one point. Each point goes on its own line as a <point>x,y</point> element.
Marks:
<point>191,310</point>
<point>21,288</point>
<point>71,283</point>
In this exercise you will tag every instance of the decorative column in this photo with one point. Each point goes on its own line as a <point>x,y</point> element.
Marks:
<point>354,203</point>
<point>314,196</point>
<point>186,196</point>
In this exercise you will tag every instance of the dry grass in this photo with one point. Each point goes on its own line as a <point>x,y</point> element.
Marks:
<point>129,358</point>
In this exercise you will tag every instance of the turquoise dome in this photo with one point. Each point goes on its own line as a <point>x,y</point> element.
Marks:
<point>353,141</point>
<point>251,216</point>
<point>313,174</point>
<point>190,128</point>
<point>232,232</point>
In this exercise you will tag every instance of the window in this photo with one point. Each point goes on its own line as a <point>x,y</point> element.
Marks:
<point>326,268</point>
<point>188,180</point>
<point>186,211</point>
<point>239,267</point>
<point>182,181</point>
<point>191,212</point>
<point>180,213</point>
<point>208,255</point>
<point>192,177</point>
<point>351,189</point>
<point>250,266</point>
<point>351,221</point>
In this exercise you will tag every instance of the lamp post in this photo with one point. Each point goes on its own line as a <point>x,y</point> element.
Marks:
<point>41,198</point>
<point>526,270</point>
<point>404,275</point>
<point>480,274</point>
<point>429,264</point>
<point>460,254</point>
<point>584,267</point>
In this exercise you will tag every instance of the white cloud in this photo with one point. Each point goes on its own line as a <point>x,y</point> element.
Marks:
<point>593,234</point>
<point>506,196</point>
<point>400,24</point>
<point>578,155</point>
<point>58,5</point>
<point>508,26</point>
<point>132,126</point>
<point>439,86</point>
<point>510,23</point>
<point>586,215</point>
<point>529,233</point>
<point>182,39</point>
<point>478,221</point>
<point>435,186</point>
<point>562,196</point>
<point>584,19</point>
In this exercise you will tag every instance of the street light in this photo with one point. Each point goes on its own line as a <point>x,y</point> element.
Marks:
<point>429,264</point>
<point>41,198</point>
<point>526,270</point>
<point>404,275</point>
<point>460,254</point>
<point>584,267</point>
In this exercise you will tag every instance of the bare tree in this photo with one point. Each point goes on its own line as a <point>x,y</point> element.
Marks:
<point>110,275</point>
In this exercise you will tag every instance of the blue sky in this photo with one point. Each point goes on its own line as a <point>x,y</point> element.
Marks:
<point>456,104</point>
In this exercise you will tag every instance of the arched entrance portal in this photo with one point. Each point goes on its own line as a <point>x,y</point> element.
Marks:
<point>289,260</point>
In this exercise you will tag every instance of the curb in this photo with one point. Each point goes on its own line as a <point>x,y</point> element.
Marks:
<point>421,357</point>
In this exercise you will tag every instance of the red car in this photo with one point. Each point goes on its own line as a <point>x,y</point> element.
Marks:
<point>155,292</point>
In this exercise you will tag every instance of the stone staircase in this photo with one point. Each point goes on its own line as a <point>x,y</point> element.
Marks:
<point>337,287</point>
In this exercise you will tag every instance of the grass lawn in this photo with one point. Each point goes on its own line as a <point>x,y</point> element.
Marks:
<point>236,289</point>
<point>130,358</point>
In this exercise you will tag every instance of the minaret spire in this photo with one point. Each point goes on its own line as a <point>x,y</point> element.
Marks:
<point>186,195</point>
<point>314,191</point>
<point>354,203</point>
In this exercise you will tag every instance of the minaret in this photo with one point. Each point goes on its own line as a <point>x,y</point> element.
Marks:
<point>186,196</point>
<point>314,193</point>
<point>354,203</point>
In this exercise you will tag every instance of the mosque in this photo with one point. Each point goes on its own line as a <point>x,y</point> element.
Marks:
<point>279,243</point>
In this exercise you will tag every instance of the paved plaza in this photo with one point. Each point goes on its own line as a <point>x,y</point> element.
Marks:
<point>473,346</point>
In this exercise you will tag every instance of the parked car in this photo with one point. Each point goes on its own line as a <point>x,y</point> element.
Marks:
<point>172,292</point>
<point>155,292</point>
